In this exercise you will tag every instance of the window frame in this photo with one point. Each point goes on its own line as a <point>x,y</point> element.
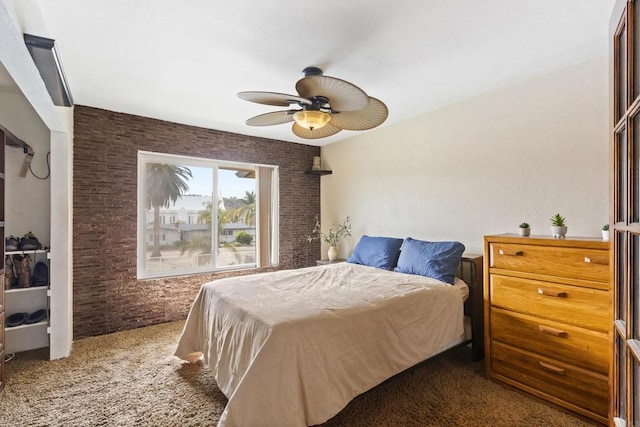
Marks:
<point>145,157</point>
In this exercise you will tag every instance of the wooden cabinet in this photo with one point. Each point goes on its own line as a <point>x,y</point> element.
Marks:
<point>548,308</point>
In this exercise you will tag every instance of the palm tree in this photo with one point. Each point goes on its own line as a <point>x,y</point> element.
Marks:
<point>164,184</point>
<point>224,216</point>
<point>247,213</point>
<point>205,215</point>
<point>202,244</point>
<point>250,197</point>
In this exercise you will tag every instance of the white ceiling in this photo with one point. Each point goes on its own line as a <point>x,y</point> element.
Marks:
<point>184,61</point>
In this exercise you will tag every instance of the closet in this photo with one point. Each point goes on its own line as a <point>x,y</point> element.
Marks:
<point>30,298</point>
<point>2,314</point>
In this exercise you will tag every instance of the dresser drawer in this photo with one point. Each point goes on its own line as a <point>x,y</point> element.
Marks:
<point>576,263</point>
<point>573,305</point>
<point>569,344</point>
<point>562,381</point>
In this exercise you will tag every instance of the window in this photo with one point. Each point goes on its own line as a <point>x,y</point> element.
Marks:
<point>241,232</point>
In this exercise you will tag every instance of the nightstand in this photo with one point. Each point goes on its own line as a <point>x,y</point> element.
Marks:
<point>326,261</point>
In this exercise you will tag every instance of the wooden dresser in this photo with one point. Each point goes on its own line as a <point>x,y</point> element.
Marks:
<point>548,306</point>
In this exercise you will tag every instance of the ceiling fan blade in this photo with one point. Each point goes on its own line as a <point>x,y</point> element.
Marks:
<point>342,95</point>
<point>326,130</point>
<point>374,115</point>
<point>273,118</point>
<point>273,98</point>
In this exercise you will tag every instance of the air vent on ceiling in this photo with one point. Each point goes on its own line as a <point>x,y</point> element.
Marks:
<point>46,58</point>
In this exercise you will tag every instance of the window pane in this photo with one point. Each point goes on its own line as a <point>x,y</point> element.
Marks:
<point>623,297</point>
<point>621,176</point>
<point>636,388</point>
<point>635,285</point>
<point>636,51</point>
<point>621,64</point>
<point>174,194</point>
<point>237,217</point>
<point>635,168</point>
<point>621,374</point>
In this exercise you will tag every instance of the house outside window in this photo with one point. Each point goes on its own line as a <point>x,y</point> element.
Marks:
<point>241,233</point>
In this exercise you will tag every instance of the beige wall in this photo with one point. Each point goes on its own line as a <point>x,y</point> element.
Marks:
<point>480,166</point>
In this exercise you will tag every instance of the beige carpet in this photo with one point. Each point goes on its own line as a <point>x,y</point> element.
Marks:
<point>131,379</point>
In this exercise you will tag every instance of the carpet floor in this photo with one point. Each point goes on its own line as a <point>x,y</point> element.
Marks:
<point>131,378</point>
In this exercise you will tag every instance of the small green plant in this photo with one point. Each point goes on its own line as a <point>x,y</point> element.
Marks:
<point>524,225</point>
<point>605,227</point>
<point>244,238</point>
<point>558,220</point>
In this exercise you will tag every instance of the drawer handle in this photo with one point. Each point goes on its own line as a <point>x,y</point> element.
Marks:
<point>552,331</point>
<point>551,293</point>
<point>551,368</point>
<point>596,261</point>
<point>511,253</point>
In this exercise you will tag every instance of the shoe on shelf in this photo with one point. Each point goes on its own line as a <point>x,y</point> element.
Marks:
<point>36,316</point>
<point>9,273</point>
<point>11,244</point>
<point>23,270</point>
<point>16,319</point>
<point>29,242</point>
<point>40,274</point>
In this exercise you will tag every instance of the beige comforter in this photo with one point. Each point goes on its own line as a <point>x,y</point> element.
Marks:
<point>292,348</point>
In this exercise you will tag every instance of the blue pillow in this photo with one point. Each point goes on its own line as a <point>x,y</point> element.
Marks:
<point>438,260</point>
<point>379,252</point>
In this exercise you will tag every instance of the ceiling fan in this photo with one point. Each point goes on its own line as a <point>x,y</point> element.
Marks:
<point>323,107</point>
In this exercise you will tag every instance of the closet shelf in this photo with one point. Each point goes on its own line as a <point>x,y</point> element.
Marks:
<point>31,251</point>
<point>29,289</point>
<point>24,326</point>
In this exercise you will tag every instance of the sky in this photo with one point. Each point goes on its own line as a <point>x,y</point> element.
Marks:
<point>230,184</point>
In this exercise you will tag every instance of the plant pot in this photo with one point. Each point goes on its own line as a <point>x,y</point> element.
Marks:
<point>558,232</point>
<point>605,235</point>
<point>524,231</point>
<point>332,253</point>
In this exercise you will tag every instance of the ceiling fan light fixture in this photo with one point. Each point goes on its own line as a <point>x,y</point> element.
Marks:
<point>311,119</point>
<point>323,106</point>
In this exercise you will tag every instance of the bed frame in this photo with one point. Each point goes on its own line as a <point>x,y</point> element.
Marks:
<point>470,270</point>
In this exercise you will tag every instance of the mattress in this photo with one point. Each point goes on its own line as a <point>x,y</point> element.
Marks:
<point>292,348</point>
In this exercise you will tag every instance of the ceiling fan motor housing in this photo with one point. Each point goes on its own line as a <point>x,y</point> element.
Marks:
<point>312,71</point>
<point>320,103</point>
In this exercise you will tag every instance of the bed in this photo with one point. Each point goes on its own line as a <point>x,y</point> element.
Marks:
<point>293,347</point>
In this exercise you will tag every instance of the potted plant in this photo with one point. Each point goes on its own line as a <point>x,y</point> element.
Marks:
<point>524,229</point>
<point>558,226</point>
<point>332,237</point>
<point>605,232</point>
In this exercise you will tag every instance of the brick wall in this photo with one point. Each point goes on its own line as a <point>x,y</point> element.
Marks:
<point>106,295</point>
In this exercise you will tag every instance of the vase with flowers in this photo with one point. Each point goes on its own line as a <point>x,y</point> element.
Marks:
<point>331,237</point>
